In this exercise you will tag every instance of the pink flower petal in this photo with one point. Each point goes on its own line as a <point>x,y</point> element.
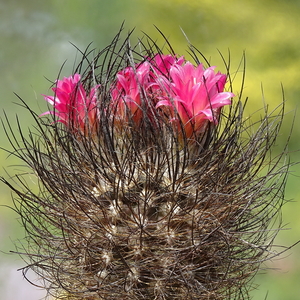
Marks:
<point>71,104</point>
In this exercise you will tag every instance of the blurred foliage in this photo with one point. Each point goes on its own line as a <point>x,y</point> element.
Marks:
<point>37,37</point>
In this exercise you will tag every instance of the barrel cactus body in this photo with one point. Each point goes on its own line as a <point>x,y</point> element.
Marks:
<point>151,183</point>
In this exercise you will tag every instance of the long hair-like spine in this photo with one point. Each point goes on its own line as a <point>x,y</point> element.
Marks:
<point>135,204</point>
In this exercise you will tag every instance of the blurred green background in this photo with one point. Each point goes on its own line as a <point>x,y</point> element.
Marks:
<point>36,37</point>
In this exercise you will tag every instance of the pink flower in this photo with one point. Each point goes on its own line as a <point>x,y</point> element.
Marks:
<point>161,64</point>
<point>189,96</point>
<point>126,93</point>
<point>195,95</point>
<point>72,105</point>
<point>134,83</point>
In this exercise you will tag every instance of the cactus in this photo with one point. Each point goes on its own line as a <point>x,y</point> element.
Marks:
<point>142,196</point>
